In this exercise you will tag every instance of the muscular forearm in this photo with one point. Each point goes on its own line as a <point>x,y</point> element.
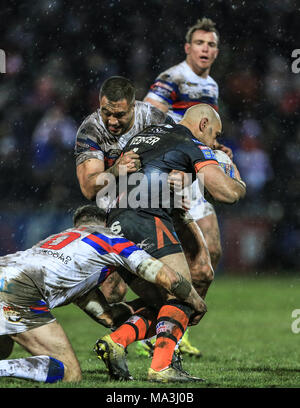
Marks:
<point>220,186</point>
<point>160,274</point>
<point>233,191</point>
<point>93,176</point>
<point>92,183</point>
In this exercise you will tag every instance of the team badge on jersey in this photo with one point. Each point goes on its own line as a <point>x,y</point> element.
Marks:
<point>207,152</point>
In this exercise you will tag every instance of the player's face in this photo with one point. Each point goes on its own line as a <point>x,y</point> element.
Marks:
<point>212,132</point>
<point>202,51</point>
<point>118,117</point>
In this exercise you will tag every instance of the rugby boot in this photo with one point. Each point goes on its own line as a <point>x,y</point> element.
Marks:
<point>114,357</point>
<point>170,375</point>
<point>177,360</point>
<point>145,348</point>
<point>185,347</point>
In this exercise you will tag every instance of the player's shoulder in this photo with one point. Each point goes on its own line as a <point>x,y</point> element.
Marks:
<point>212,81</point>
<point>173,74</point>
<point>149,113</point>
<point>206,151</point>
<point>92,127</point>
<point>91,119</point>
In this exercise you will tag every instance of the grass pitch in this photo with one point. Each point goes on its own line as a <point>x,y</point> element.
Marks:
<point>246,339</point>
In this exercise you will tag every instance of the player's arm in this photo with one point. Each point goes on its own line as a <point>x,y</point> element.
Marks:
<point>173,282</point>
<point>220,186</point>
<point>162,93</point>
<point>154,271</point>
<point>93,176</point>
<point>164,107</point>
<point>95,305</point>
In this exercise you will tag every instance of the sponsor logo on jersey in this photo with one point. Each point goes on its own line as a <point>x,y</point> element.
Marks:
<point>11,314</point>
<point>145,244</point>
<point>207,152</point>
<point>191,84</point>
<point>142,139</point>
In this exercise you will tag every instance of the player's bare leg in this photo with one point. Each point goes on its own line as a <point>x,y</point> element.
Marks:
<point>176,316</point>
<point>210,229</point>
<point>43,342</point>
<point>173,319</point>
<point>197,256</point>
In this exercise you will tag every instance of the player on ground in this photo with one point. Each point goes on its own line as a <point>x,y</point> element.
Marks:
<point>175,90</point>
<point>185,147</point>
<point>64,268</point>
<point>99,143</point>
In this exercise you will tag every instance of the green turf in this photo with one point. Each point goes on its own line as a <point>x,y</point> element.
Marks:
<point>246,340</point>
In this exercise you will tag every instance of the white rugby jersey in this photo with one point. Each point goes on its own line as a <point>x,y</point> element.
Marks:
<point>180,88</point>
<point>67,265</point>
<point>93,140</point>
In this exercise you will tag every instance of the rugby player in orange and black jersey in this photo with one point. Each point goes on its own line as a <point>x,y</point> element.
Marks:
<point>161,149</point>
<point>165,148</point>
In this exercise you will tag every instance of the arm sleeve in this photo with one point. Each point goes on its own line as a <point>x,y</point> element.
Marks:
<point>117,251</point>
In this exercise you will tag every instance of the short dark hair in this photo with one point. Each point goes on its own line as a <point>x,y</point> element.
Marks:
<point>88,213</point>
<point>205,24</point>
<point>116,88</point>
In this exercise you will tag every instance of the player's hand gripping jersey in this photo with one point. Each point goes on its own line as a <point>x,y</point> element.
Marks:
<point>93,141</point>
<point>62,268</point>
<point>161,149</point>
<point>180,88</point>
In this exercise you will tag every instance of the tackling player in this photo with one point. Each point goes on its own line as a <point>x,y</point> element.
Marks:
<point>187,148</point>
<point>175,90</point>
<point>64,268</point>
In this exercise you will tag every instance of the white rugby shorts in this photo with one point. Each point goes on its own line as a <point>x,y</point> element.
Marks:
<point>21,306</point>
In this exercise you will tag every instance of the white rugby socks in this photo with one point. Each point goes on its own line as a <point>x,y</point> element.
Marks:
<point>37,368</point>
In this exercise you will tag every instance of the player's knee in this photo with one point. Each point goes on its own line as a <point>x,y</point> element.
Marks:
<point>202,271</point>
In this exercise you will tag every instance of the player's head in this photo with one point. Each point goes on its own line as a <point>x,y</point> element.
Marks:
<point>117,99</point>
<point>204,122</point>
<point>89,214</point>
<point>201,46</point>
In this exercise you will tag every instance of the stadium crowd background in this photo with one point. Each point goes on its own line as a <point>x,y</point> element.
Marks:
<point>58,54</point>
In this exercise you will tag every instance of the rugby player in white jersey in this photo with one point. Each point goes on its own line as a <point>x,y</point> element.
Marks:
<point>64,268</point>
<point>173,92</point>
<point>99,143</point>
